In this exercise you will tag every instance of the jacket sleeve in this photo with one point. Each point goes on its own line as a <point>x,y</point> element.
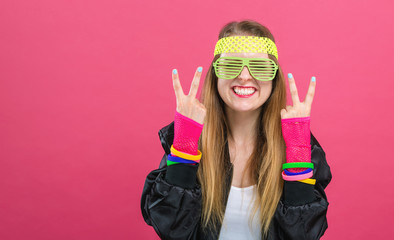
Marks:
<point>301,212</point>
<point>171,201</point>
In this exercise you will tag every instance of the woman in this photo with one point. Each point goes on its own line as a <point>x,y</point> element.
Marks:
<point>259,173</point>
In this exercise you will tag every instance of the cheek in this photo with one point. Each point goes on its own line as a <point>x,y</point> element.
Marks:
<point>266,89</point>
<point>221,87</point>
<point>270,89</point>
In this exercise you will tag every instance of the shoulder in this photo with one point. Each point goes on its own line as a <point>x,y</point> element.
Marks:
<point>166,135</point>
<point>321,171</point>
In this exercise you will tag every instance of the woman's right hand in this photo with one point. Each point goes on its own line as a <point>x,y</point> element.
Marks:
<point>188,105</point>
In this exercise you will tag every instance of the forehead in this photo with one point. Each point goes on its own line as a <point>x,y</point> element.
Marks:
<point>245,55</point>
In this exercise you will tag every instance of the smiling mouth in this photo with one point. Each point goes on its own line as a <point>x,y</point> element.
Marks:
<point>244,91</point>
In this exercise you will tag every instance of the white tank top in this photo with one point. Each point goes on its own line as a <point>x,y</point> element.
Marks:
<point>236,217</point>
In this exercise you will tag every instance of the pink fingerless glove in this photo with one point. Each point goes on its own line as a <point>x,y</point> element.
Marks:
<point>296,133</point>
<point>186,134</point>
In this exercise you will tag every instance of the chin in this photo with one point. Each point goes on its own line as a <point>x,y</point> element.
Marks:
<point>243,108</point>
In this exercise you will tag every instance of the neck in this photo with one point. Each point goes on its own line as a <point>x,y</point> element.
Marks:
<point>243,126</point>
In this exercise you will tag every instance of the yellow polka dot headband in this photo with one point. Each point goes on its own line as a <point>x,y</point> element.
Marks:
<point>252,44</point>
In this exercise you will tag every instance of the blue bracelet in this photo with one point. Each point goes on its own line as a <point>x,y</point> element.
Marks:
<point>179,160</point>
<point>298,173</point>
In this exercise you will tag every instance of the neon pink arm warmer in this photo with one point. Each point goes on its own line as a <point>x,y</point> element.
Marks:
<point>186,134</point>
<point>296,133</point>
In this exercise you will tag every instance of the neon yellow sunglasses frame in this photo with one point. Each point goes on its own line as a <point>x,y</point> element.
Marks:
<point>262,69</point>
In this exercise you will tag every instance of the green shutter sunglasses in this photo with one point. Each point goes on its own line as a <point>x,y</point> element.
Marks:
<point>263,69</point>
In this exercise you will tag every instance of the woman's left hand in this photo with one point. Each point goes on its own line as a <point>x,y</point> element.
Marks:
<point>299,109</point>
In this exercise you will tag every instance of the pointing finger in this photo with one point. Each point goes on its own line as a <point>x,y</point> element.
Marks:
<point>311,92</point>
<point>177,85</point>
<point>293,90</point>
<point>196,82</point>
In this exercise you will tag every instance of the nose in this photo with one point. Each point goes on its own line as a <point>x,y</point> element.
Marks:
<point>245,74</point>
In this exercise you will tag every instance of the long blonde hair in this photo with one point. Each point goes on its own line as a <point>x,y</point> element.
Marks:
<point>264,165</point>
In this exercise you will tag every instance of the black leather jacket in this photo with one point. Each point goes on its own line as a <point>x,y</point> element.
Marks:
<point>171,200</point>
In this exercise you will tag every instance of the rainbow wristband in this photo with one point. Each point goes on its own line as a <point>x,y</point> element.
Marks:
<point>195,158</point>
<point>178,159</point>
<point>169,163</point>
<point>298,173</point>
<point>308,181</point>
<point>297,165</point>
<point>297,177</point>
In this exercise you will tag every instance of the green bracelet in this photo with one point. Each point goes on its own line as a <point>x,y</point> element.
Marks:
<point>297,165</point>
<point>171,162</point>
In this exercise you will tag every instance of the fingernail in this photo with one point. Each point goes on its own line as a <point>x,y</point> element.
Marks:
<point>174,71</point>
<point>199,69</point>
<point>290,75</point>
<point>313,79</point>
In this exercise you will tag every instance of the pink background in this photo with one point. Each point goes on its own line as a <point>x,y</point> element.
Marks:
<point>85,87</point>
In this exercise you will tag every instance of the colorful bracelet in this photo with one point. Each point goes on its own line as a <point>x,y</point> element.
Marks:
<point>308,181</point>
<point>298,173</point>
<point>297,177</point>
<point>169,163</point>
<point>297,165</point>
<point>191,161</point>
<point>178,159</point>
<point>185,155</point>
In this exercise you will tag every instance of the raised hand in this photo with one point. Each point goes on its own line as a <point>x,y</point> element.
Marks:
<point>299,109</point>
<point>296,128</point>
<point>189,105</point>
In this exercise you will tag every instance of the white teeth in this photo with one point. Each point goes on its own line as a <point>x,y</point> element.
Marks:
<point>244,91</point>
